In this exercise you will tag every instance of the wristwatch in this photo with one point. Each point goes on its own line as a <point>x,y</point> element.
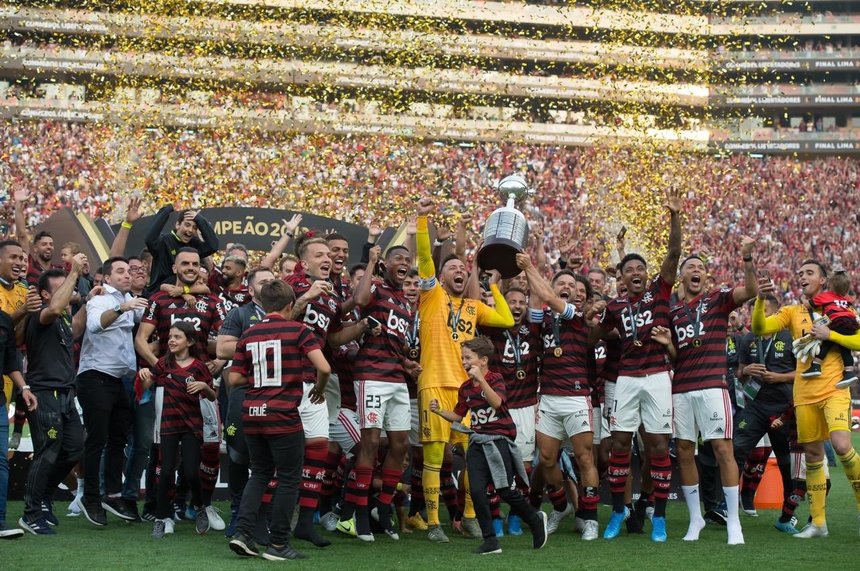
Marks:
<point>118,309</point>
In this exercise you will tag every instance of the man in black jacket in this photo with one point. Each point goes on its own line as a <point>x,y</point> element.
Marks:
<point>187,233</point>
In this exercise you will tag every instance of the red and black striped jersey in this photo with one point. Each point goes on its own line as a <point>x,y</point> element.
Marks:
<point>699,329</point>
<point>272,354</point>
<point>484,419</point>
<point>230,297</point>
<point>606,355</point>
<point>323,314</point>
<point>564,362</point>
<point>380,357</point>
<point>517,358</point>
<point>35,270</point>
<point>206,315</point>
<point>634,317</point>
<point>180,411</point>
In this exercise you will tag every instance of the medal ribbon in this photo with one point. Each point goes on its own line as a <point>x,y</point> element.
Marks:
<point>515,345</point>
<point>556,330</point>
<point>455,318</point>
<point>634,331</point>
<point>698,320</point>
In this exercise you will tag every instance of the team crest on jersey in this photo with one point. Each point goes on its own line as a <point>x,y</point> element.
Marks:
<point>779,345</point>
<point>647,298</point>
<point>332,305</point>
<point>524,329</point>
<point>201,306</point>
<point>239,297</point>
<point>725,289</point>
<point>470,310</point>
<point>189,380</point>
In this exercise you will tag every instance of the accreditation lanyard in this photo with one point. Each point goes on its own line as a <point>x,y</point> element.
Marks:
<point>762,355</point>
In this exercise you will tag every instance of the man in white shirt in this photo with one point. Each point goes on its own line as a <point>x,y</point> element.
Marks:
<point>107,354</point>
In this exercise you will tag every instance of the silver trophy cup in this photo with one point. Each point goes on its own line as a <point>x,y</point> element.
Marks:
<point>506,231</point>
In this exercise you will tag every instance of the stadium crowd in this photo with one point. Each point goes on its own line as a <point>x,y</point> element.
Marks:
<point>95,168</point>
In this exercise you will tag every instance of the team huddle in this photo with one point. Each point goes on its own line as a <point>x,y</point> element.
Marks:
<point>346,393</point>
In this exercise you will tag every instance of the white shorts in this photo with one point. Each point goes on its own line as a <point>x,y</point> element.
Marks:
<point>642,400</point>
<point>344,430</point>
<point>383,405</point>
<point>798,466</point>
<point>708,411</point>
<point>600,424</point>
<point>564,417</point>
<point>314,416</point>
<point>332,398</point>
<point>524,419</point>
<point>414,425</point>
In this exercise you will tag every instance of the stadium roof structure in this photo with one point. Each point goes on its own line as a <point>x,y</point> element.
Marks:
<point>559,80</point>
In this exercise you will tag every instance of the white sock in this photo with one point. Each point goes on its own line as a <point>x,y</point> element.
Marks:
<point>733,526</point>
<point>697,522</point>
<point>79,493</point>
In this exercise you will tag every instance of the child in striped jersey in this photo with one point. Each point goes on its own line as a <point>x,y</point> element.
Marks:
<point>492,456</point>
<point>182,380</point>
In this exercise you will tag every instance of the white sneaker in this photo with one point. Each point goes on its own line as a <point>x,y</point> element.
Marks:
<point>74,508</point>
<point>215,520</point>
<point>555,518</point>
<point>589,532</point>
<point>169,525</point>
<point>811,531</point>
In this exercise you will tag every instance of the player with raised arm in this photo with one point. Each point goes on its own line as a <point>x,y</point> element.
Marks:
<point>380,385</point>
<point>643,391</point>
<point>700,397</point>
<point>447,320</point>
<point>565,403</point>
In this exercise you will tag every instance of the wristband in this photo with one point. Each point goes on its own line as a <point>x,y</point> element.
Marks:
<point>437,243</point>
<point>290,234</point>
<point>747,258</point>
<point>25,388</point>
<point>186,288</point>
<point>126,225</point>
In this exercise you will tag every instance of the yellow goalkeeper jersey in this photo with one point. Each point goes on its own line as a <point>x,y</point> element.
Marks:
<point>797,320</point>
<point>444,317</point>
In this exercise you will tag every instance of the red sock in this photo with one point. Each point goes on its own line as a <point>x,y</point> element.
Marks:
<point>210,463</point>
<point>390,479</point>
<point>558,498</point>
<point>619,470</point>
<point>661,475</point>
<point>313,473</point>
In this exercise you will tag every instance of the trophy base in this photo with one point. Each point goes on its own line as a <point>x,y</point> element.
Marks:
<point>500,256</point>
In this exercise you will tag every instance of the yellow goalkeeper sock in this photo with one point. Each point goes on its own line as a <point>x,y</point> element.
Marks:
<point>433,454</point>
<point>816,487</point>
<point>851,464</point>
